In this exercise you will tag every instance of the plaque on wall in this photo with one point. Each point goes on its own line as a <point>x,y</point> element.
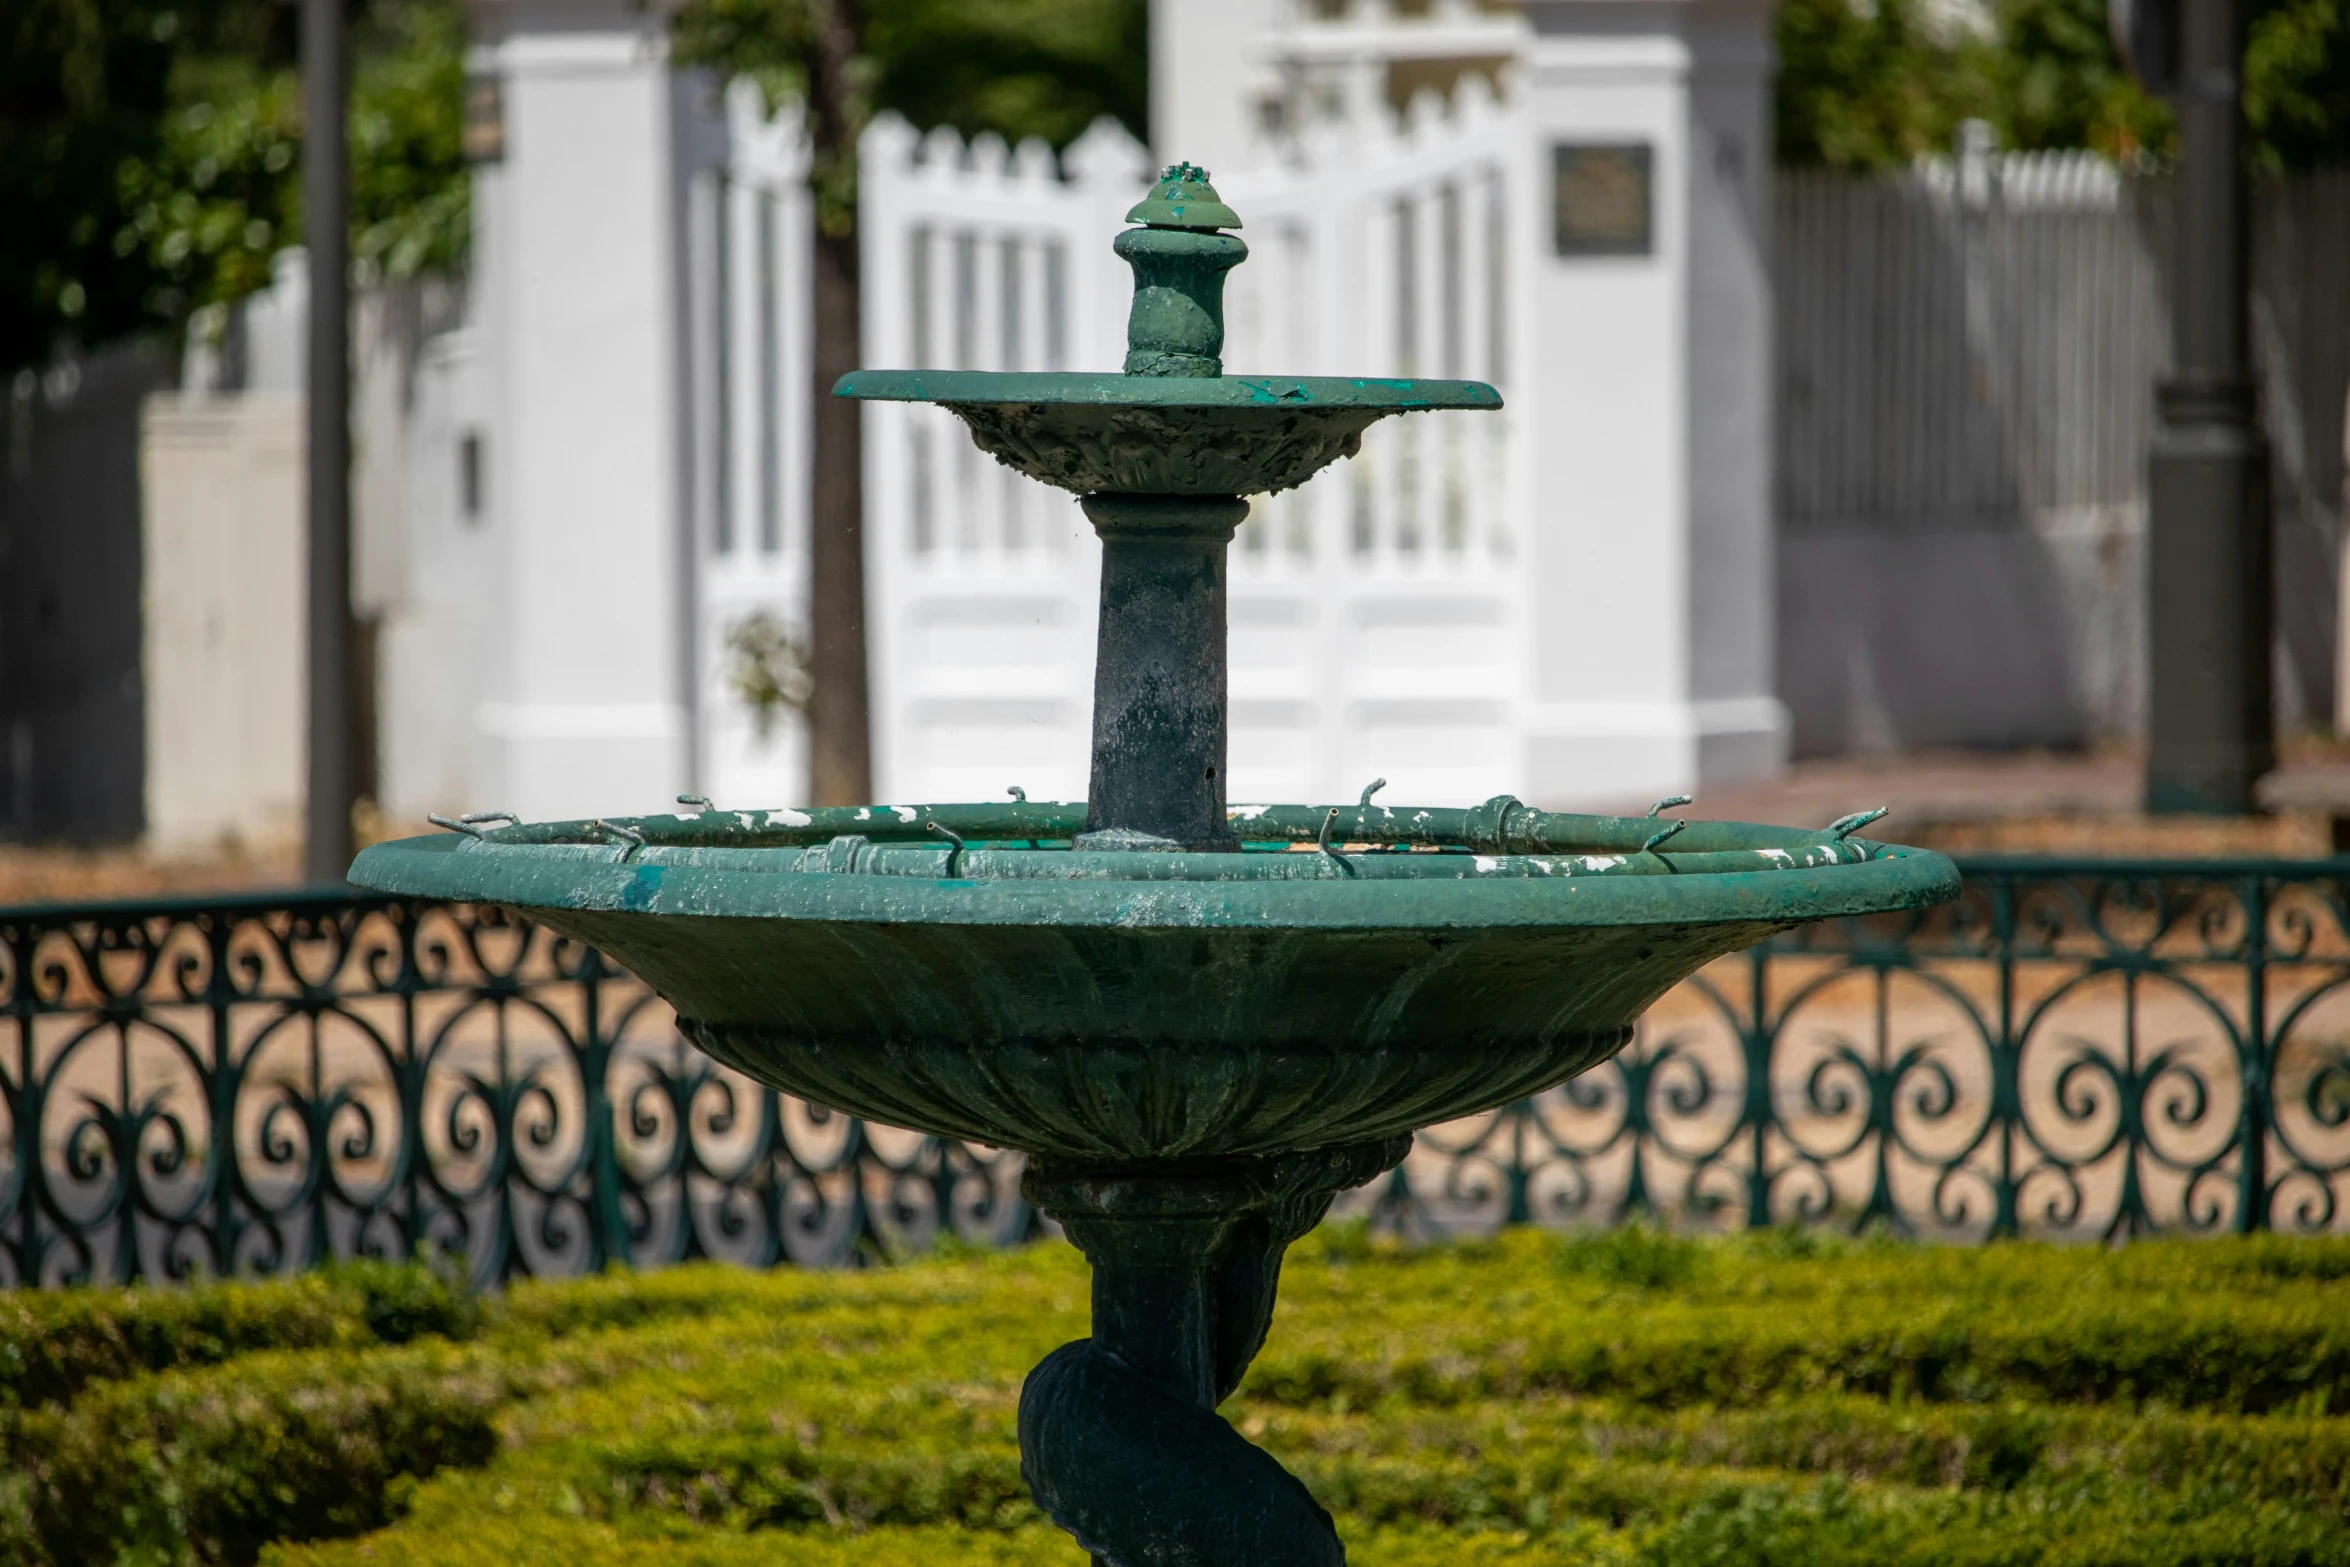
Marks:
<point>483,137</point>
<point>1600,198</point>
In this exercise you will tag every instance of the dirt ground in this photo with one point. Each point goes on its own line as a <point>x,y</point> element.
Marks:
<point>32,874</point>
<point>2031,802</point>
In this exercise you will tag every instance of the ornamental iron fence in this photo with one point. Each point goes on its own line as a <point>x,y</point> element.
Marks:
<point>254,1084</point>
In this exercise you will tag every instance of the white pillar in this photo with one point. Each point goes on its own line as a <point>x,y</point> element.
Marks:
<point>1647,356</point>
<point>581,699</point>
<point>1205,72</point>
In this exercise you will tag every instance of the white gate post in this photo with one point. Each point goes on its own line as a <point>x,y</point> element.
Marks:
<point>581,675</point>
<point>1647,355</point>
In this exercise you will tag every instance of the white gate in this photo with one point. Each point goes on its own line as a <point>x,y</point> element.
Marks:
<point>981,583</point>
<point>747,226</point>
<point>1376,619</point>
<point>1377,622</point>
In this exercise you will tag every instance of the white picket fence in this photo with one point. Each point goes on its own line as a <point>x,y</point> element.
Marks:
<point>1376,621</point>
<point>1966,360</point>
<point>1963,359</point>
<point>747,246</point>
<point>1375,616</point>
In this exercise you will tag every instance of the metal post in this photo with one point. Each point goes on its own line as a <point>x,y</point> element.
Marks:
<point>327,223</point>
<point>1160,684</point>
<point>2209,726</point>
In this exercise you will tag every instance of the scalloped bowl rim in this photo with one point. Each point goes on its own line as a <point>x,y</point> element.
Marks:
<point>1085,388</point>
<point>1896,879</point>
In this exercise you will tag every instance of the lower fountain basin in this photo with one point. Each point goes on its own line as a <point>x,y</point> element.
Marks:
<point>1128,1007</point>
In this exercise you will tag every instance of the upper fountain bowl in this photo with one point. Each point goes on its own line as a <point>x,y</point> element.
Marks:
<point>1173,423</point>
<point>1165,435</point>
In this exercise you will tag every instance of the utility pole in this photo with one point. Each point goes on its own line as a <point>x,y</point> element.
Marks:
<point>2210,729</point>
<point>326,221</point>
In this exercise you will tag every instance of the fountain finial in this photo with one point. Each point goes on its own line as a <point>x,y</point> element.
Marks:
<point>1179,257</point>
<point>1183,199</point>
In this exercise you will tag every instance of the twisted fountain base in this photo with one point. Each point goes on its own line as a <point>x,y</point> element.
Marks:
<point>1119,1438</point>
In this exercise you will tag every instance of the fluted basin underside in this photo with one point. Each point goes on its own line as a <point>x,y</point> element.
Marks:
<point>1132,1102</point>
<point>1138,1007</point>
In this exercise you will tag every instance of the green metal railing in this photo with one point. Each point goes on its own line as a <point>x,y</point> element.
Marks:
<point>2091,1048</point>
<point>256,1083</point>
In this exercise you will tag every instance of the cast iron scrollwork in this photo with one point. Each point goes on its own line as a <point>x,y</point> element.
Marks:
<point>256,1084</point>
<point>2082,1049</point>
<point>252,1084</point>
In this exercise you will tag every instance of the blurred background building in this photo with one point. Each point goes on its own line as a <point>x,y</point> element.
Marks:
<point>1828,408</point>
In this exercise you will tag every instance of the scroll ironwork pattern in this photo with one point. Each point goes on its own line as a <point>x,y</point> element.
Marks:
<point>2091,1049</point>
<point>254,1084</point>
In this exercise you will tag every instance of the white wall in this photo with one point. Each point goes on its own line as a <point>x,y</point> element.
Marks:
<point>435,626</point>
<point>579,699</point>
<point>1205,77</point>
<point>1548,601</point>
<point>1651,657</point>
<point>223,587</point>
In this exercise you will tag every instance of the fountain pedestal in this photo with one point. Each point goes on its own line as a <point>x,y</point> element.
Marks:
<point>1119,1439</point>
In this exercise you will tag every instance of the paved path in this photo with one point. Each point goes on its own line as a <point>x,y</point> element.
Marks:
<point>2028,803</point>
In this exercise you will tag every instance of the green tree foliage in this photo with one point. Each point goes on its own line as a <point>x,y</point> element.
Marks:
<point>1019,68</point>
<point>2297,84</point>
<point>83,88</point>
<point>151,155</point>
<point>1870,84</point>
<point>411,197</point>
<point>2052,78</point>
<point>1860,87</point>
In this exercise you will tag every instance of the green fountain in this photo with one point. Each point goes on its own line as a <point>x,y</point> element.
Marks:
<point>1199,1023</point>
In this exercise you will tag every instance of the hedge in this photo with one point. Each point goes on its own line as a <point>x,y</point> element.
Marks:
<point>1633,1398</point>
<point>53,1342</point>
<point>207,1466</point>
<point>2241,1330</point>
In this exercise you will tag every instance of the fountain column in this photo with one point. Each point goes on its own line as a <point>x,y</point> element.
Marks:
<point>1160,672</point>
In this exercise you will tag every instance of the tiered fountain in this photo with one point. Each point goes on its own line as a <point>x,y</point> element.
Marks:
<point>1199,1023</point>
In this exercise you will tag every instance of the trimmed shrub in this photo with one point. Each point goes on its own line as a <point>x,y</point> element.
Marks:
<point>206,1466</point>
<point>1636,1400</point>
<point>53,1342</point>
<point>2040,1323</point>
<point>505,1539</point>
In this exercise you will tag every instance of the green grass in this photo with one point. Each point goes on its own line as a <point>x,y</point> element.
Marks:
<point>1632,1398</point>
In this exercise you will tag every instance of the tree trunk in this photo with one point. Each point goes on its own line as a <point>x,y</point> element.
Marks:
<point>840,749</point>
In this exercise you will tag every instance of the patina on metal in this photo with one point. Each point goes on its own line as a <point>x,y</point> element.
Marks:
<point>1159,674</point>
<point>1201,1023</point>
<point>1176,324</point>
